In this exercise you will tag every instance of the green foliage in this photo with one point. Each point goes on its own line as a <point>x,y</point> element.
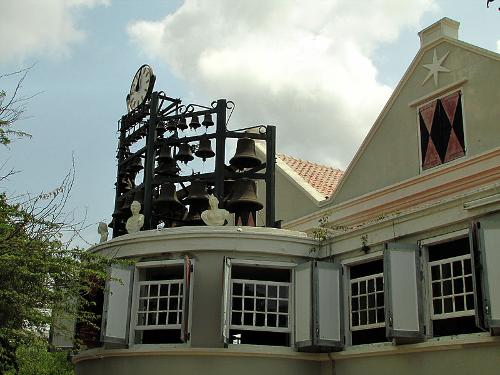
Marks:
<point>35,359</point>
<point>43,279</point>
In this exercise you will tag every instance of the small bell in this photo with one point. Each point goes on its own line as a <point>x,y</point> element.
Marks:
<point>160,128</point>
<point>207,120</point>
<point>182,124</point>
<point>171,125</point>
<point>197,192</point>
<point>244,197</point>
<point>165,153</point>
<point>184,153</point>
<point>205,149</point>
<point>245,156</point>
<point>134,165</point>
<point>167,167</point>
<point>194,214</point>
<point>195,123</point>
<point>167,203</point>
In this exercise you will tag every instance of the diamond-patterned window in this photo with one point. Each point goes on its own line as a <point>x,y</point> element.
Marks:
<point>441,130</point>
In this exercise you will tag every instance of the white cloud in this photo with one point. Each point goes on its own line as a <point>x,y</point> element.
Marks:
<point>40,28</point>
<point>305,68</point>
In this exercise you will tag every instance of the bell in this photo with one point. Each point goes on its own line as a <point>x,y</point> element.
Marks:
<point>245,156</point>
<point>167,202</point>
<point>160,129</point>
<point>167,167</point>
<point>197,192</point>
<point>194,214</point>
<point>134,165</point>
<point>164,153</point>
<point>207,120</point>
<point>182,124</point>
<point>171,125</point>
<point>184,153</point>
<point>195,123</point>
<point>128,199</point>
<point>244,197</point>
<point>205,149</point>
<point>139,197</point>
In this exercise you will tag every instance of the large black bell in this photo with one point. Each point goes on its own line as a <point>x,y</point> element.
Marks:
<point>205,149</point>
<point>207,120</point>
<point>245,156</point>
<point>167,202</point>
<point>184,153</point>
<point>139,197</point>
<point>194,214</point>
<point>165,153</point>
<point>195,122</point>
<point>244,197</point>
<point>197,192</point>
<point>160,128</point>
<point>134,165</point>
<point>167,167</point>
<point>182,124</point>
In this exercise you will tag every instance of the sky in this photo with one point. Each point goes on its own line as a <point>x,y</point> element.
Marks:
<point>320,71</point>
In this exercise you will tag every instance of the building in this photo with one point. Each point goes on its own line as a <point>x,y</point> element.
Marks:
<point>399,278</point>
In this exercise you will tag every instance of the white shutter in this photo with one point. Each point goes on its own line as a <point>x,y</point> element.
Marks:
<point>62,331</point>
<point>226,301</point>
<point>186,300</point>
<point>117,303</point>
<point>402,290</point>
<point>328,295</point>
<point>303,298</point>
<point>489,245</point>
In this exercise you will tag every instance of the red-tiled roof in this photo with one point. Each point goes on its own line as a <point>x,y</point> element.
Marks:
<point>322,178</point>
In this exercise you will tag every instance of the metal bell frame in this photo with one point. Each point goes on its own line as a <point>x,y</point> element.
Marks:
<point>160,113</point>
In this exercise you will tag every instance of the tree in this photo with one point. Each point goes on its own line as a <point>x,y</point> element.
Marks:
<point>40,272</point>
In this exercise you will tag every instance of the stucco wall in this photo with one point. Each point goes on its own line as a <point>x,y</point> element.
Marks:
<point>392,153</point>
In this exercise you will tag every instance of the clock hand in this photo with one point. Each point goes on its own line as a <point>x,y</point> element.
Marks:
<point>138,81</point>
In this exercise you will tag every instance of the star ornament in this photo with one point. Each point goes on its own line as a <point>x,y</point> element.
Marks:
<point>435,68</point>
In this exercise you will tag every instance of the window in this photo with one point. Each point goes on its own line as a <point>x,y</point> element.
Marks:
<point>258,304</point>
<point>161,304</point>
<point>441,130</point>
<point>451,288</point>
<point>366,303</point>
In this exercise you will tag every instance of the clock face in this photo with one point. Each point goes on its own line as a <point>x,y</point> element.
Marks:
<point>141,87</point>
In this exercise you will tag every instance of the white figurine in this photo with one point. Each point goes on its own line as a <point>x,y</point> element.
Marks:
<point>136,221</point>
<point>102,229</point>
<point>215,215</point>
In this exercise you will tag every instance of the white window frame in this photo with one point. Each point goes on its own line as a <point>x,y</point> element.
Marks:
<point>427,278</point>
<point>346,265</point>
<point>365,279</point>
<point>135,300</point>
<point>264,264</point>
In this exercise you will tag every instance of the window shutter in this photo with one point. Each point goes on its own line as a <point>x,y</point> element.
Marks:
<point>226,301</point>
<point>62,331</point>
<point>403,293</point>
<point>117,303</point>
<point>303,305</point>
<point>476,274</point>
<point>489,247</point>
<point>186,300</point>
<point>328,304</point>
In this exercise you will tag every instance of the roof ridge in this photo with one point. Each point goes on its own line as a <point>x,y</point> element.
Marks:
<point>308,161</point>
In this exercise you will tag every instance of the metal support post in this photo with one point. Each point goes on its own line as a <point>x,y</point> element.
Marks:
<point>270,169</point>
<point>220,137</point>
<point>149,163</point>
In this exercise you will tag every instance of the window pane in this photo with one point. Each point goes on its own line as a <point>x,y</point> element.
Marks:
<point>470,302</point>
<point>272,305</point>
<point>380,315</point>
<point>363,317</point>
<point>283,306</point>
<point>371,300</point>
<point>261,304</point>
<point>237,289</point>
<point>362,287</point>
<point>458,286</point>
<point>272,291</point>
<point>437,307</point>
<point>283,292</point>
<point>371,286</point>
<point>446,268</point>
<point>153,304</point>
<point>164,290</point>
<point>354,319</point>
<point>143,291</point>
<point>249,304</point>
<point>355,304</point>
<point>467,267</point>
<point>162,318</point>
<point>174,304</point>
<point>448,305</point>
<point>261,290</point>
<point>282,321</point>
<point>151,319</point>
<point>447,288</point>
<point>436,289</point>
<point>141,319</point>
<point>372,317</point>
<point>248,319</point>
<point>172,318</point>
<point>459,303</point>
<point>380,284</point>
<point>236,318</point>
<point>153,290</point>
<point>457,268</point>
<point>249,290</point>
<point>354,289</point>
<point>380,299</point>
<point>260,320</point>
<point>468,284</point>
<point>174,289</point>
<point>237,303</point>
<point>362,302</point>
<point>435,273</point>
<point>271,320</point>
